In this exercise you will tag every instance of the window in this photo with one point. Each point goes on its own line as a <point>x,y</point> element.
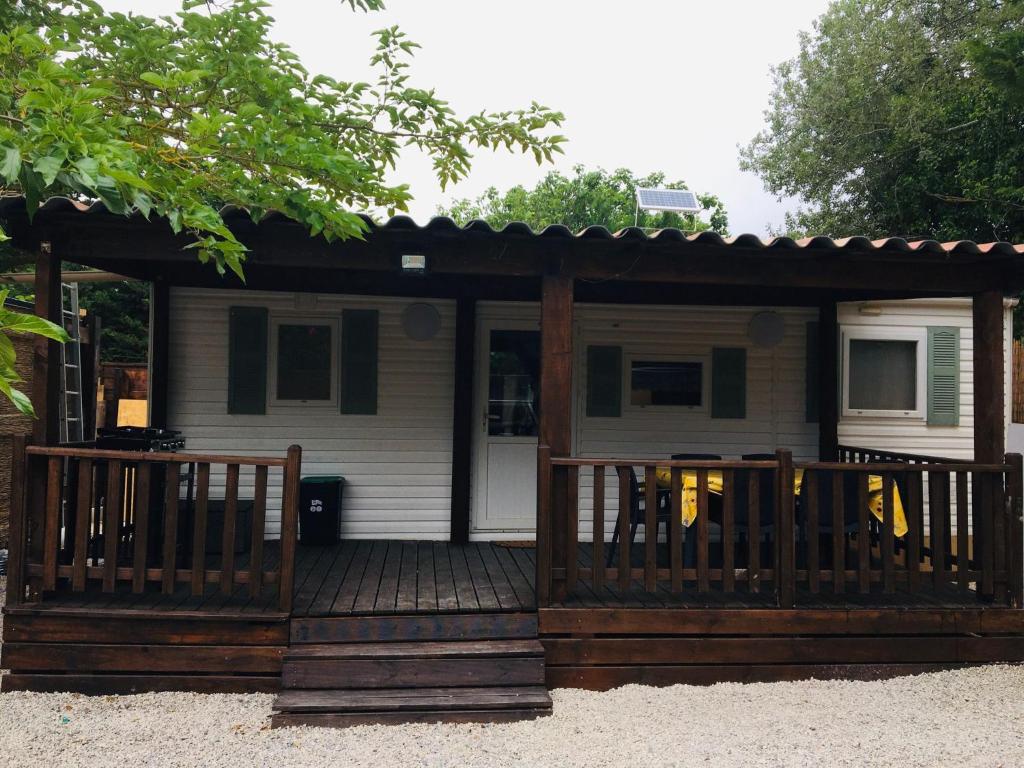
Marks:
<point>884,372</point>
<point>513,397</point>
<point>666,382</point>
<point>304,361</point>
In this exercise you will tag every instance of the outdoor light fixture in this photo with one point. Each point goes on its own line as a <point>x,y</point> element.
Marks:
<point>414,263</point>
<point>871,310</point>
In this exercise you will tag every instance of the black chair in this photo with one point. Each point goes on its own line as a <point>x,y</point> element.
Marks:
<point>637,512</point>
<point>714,509</point>
<point>636,517</point>
<point>826,520</point>
<point>765,498</point>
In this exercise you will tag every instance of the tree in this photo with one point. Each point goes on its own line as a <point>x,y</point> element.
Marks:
<point>585,198</point>
<point>902,117</point>
<point>123,308</point>
<point>178,116</point>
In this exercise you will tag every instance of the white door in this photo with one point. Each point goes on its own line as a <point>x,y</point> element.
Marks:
<point>507,399</point>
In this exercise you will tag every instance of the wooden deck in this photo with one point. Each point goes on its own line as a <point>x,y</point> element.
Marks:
<point>395,577</point>
<point>410,592</point>
<point>375,578</point>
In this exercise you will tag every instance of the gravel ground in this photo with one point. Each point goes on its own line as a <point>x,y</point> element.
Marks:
<point>967,717</point>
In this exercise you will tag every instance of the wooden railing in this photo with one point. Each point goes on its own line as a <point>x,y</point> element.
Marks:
<point>964,530</point>
<point>853,454</point>
<point>82,515</point>
<point>703,564</point>
<point>962,525</point>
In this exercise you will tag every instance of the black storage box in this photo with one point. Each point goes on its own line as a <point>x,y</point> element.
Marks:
<point>215,526</point>
<point>320,509</point>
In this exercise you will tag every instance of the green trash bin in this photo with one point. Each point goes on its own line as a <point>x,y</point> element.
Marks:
<point>320,509</point>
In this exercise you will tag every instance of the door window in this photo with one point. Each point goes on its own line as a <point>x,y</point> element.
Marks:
<point>513,391</point>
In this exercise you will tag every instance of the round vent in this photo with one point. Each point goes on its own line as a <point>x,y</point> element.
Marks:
<point>421,322</point>
<point>766,329</point>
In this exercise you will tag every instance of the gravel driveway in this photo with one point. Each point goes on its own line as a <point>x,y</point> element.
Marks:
<point>966,717</point>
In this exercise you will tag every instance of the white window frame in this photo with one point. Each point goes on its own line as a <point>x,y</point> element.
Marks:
<point>660,357</point>
<point>918,335</point>
<point>276,321</point>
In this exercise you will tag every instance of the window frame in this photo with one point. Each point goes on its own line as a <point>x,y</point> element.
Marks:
<point>865,333</point>
<point>629,358</point>
<point>276,321</point>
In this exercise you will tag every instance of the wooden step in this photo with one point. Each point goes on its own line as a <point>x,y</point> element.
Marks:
<point>425,650</point>
<point>395,699</point>
<point>342,708</point>
<point>414,672</point>
<point>368,629</point>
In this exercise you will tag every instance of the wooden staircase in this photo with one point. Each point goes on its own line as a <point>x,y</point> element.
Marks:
<point>342,671</point>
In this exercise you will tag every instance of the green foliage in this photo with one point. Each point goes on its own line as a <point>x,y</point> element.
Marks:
<point>902,117</point>
<point>180,115</point>
<point>584,199</point>
<point>123,309</point>
<point>16,322</point>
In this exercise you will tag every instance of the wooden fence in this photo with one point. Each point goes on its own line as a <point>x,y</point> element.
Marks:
<point>873,526</point>
<point>85,515</point>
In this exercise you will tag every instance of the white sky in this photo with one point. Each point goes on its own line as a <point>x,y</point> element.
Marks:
<point>671,85</point>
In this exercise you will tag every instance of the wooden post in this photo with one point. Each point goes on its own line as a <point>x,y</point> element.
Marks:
<point>46,371</point>
<point>46,400</point>
<point>828,395</point>
<point>989,395</point>
<point>289,527</point>
<point>556,401</point>
<point>18,542</point>
<point>785,561</point>
<point>462,423</point>
<point>544,526</point>
<point>1015,528</point>
<point>159,352</point>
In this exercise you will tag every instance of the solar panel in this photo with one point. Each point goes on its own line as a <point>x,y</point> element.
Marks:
<point>679,200</point>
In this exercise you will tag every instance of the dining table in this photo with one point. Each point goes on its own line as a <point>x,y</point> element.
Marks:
<point>875,500</point>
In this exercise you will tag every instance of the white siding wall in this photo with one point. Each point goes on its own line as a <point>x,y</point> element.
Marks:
<point>397,463</point>
<point>914,435</point>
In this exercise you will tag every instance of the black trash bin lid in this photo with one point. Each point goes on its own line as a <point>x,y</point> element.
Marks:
<point>322,479</point>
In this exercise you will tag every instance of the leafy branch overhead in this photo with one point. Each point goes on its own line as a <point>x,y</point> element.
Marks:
<point>180,115</point>
<point>16,322</point>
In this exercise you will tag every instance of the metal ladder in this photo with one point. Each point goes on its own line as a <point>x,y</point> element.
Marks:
<point>72,419</point>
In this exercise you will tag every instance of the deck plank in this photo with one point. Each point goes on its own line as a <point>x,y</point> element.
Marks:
<point>408,578</point>
<point>387,592</point>
<point>444,582</point>
<point>369,583</point>
<point>463,583</point>
<point>426,587</point>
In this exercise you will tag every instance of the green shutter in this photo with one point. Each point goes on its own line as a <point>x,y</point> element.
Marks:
<point>943,376</point>
<point>247,360</point>
<point>728,383</point>
<point>604,381</point>
<point>812,376</point>
<point>359,361</point>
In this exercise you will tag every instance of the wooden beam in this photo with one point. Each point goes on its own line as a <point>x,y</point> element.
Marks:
<point>828,395</point>
<point>46,373</point>
<point>462,423</point>
<point>159,352</point>
<point>556,317</point>
<point>989,394</point>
